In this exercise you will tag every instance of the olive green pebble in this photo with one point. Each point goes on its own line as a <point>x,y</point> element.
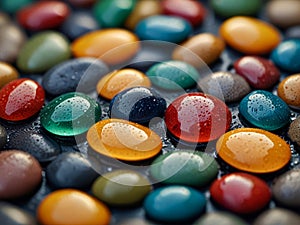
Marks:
<point>224,218</point>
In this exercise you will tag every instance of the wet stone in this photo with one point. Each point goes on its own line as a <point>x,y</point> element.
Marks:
<point>278,216</point>
<point>3,136</point>
<point>289,90</point>
<point>224,218</point>
<point>294,131</point>
<point>7,73</point>
<point>12,6</point>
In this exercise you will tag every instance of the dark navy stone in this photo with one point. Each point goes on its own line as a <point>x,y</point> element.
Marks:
<point>3,136</point>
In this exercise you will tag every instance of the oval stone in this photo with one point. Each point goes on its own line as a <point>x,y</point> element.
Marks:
<point>293,32</point>
<point>122,139</point>
<point>82,3</point>
<point>289,90</point>
<point>278,216</point>
<point>3,136</point>
<point>176,168</point>
<point>250,35</point>
<point>7,73</point>
<point>224,218</point>
<point>174,204</point>
<point>113,46</point>
<point>21,99</point>
<point>294,131</point>
<point>43,51</point>
<point>264,110</point>
<point>163,28</point>
<point>241,192</point>
<point>253,150</point>
<point>121,188</point>
<point>12,6</point>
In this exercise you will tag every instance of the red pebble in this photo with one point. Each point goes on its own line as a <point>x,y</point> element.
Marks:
<point>43,15</point>
<point>191,10</point>
<point>259,72</point>
<point>241,192</point>
<point>21,99</point>
<point>197,118</point>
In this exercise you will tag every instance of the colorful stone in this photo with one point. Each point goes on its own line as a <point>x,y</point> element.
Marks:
<point>294,131</point>
<point>293,32</point>
<point>250,35</point>
<point>163,28</point>
<point>241,192</point>
<point>70,114</point>
<point>253,150</point>
<point>43,51</point>
<point>21,99</point>
<point>177,166</point>
<point>119,80</point>
<point>121,188</point>
<point>113,46</point>
<point>7,73</point>
<point>264,110</point>
<point>173,75</point>
<point>289,90</point>
<point>197,118</point>
<point>82,3</point>
<point>174,204</point>
<point>122,139</point>
<point>70,206</point>
<point>259,72</point>
<point>3,136</point>
<point>278,216</point>
<point>12,6</point>
<point>224,218</point>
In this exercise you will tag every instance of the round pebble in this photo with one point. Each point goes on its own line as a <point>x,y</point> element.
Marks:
<point>294,131</point>
<point>177,166</point>
<point>7,73</point>
<point>12,6</point>
<point>20,174</point>
<point>174,204</point>
<point>225,85</point>
<point>293,32</point>
<point>3,136</point>
<point>82,3</point>
<point>289,90</point>
<point>121,188</point>
<point>21,99</point>
<point>69,207</point>
<point>224,218</point>
<point>241,192</point>
<point>278,216</point>
<point>250,35</point>
<point>122,139</point>
<point>253,150</point>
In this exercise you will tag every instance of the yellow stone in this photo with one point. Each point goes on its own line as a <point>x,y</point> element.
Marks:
<point>7,73</point>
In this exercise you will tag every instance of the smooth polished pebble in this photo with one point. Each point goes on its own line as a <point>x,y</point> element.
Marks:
<point>278,216</point>
<point>176,167</point>
<point>115,82</point>
<point>20,174</point>
<point>260,72</point>
<point>70,114</point>
<point>3,136</point>
<point>294,131</point>
<point>21,99</point>
<point>112,45</point>
<point>164,28</point>
<point>121,188</point>
<point>250,35</point>
<point>7,73</point>
<point>82,3</point>
<point>43,51</point>
<point>293,32</point>
<point>70,206</point>
<point>289,90</point>
<point>4,18</point>
<point>198,49</point>
<point>174,203</point>
<point>224,218</point>
<point>253,150</point>
<point>12,6</point>
<point>225,85</point>
<point>122,139</point>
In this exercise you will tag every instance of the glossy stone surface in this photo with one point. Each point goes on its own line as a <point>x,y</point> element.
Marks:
<point>176,168</point>
<point>241,192</point>
<point>289,90</point>
<point>163,28</point>
<point>253,150</point>
<point>3,136</point>
<point>121,188</point>
<point>250,35</point>
<point>20,174</point>
<point>119,80</point>
<point>199,48</point>
<point>264,110</point>
<point>7,73</point>
<point>259,72</point>
<point>113,46</point>
<point>224,218</point>
<point>43,51</point>
<point>21,99</point>
<point>293,131</point>
<point>173,75</point>
<point>70,114</point>
<point>174,204</point>
<point>70,206</point>
<point>12,6</point>
<point>278,216</point>
<point>122,139</point>
<point>197,118</point>
<point>227,86</point>
<point>138,104</point>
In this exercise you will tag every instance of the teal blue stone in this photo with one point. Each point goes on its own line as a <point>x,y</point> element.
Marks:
<point>163,28</point>
<point>174,204</point>
<point>173,75</point>
<point>287,54</point>
<point>265,110</point>
<point>12,6</point>
<point>70,114</point>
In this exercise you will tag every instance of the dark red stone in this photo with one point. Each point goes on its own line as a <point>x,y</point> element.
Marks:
<point>82,3</point>
<point>43,15</point>
<point>21,99</point>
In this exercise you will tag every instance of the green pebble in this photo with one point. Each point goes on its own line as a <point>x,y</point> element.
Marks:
<point>12,6</point>
<point>43,51</point>
<point>185,167</point>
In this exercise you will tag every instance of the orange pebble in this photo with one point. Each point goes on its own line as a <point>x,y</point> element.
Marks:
<point>7,73</point>
<point>289,90</point>
<point>72,207</point>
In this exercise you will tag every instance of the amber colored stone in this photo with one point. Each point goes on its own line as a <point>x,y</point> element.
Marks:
<point>112,45</point>
<point>289,90</point>
<point>7,73</point>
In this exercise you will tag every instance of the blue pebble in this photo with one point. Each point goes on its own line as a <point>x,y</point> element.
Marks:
<point>174,204</point>
<point>265,110</point>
